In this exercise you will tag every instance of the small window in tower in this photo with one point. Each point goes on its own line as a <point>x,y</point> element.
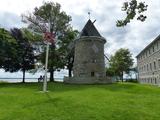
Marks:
<point>159,63</point>
<point>92,74</point>
<point>94,60</point>
<point>154,65</point>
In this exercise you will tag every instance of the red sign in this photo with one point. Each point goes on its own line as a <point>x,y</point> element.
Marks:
<point>49,37</point>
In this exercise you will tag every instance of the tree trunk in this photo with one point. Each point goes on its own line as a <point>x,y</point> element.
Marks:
<point>122,76</point>
<point>70,72</point>
<point>23,81</point>
<point>51,75</point>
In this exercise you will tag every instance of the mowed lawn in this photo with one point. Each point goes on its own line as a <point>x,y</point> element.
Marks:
<point>119,101</point>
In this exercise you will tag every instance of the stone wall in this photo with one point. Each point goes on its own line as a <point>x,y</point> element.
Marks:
<point>88,80</point>
<point>89,57</point>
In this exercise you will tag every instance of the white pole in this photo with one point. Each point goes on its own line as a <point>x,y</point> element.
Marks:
<point>46,62</point>
<point>46,69</point>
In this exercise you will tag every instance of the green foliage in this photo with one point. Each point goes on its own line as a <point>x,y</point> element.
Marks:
<point>132,80</point>
<point>110,71</point>
<point>132,8</point>
<point>33,37</point>
<point>49,14</point>
<point>121,62</point>
<point>8,51</point>
<point>119,101</point>
<point>56,62</point>
<point>67,50</point>
<point>16,51</point>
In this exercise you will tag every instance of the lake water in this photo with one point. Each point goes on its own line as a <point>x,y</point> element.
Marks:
<point>14,80</point>
<point>29,77</point>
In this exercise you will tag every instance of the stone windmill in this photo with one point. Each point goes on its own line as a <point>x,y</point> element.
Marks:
<point>89,64</point>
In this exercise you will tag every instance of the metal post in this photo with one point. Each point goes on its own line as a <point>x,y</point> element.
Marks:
<point>46,69</point>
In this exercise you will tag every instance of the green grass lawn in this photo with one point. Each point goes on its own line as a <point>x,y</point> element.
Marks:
<point>120,101</point>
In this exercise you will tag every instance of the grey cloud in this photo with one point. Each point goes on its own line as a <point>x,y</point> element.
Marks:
<point>9,20</point>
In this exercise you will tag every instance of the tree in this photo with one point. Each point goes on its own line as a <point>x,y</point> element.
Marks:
<point>25,52</point>
<point>121,62</point>
<point>8,51</point>
<point>133,8</point>
<point>66,49</point>
<point>49,16</point>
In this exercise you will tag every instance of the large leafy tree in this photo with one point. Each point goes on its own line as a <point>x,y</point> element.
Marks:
<point>121,62</point>
<point>8,51</point>
<point>25,60</point>
<point>49,17</point>
<point>133,9</point>
<point>16,51</point>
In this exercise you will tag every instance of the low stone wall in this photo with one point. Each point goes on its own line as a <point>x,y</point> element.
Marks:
<point>87,80</point>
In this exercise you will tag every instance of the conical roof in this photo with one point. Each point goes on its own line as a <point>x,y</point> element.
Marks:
<point>90,30</point>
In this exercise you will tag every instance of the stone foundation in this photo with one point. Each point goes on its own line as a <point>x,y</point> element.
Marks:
<point>87,80</point>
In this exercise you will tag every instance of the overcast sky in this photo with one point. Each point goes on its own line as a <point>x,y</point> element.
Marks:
<point>134,36</point>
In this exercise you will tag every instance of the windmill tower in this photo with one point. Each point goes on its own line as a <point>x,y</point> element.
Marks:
<point>89,64</point>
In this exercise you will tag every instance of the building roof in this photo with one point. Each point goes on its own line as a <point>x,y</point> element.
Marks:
<point>156,39</point>
<point>90,30</point>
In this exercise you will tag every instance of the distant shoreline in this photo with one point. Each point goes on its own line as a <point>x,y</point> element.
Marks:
<point>14,80</point>
<point>28,78</point>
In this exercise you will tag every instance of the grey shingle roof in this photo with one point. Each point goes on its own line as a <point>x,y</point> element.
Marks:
<point>90,30</point>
